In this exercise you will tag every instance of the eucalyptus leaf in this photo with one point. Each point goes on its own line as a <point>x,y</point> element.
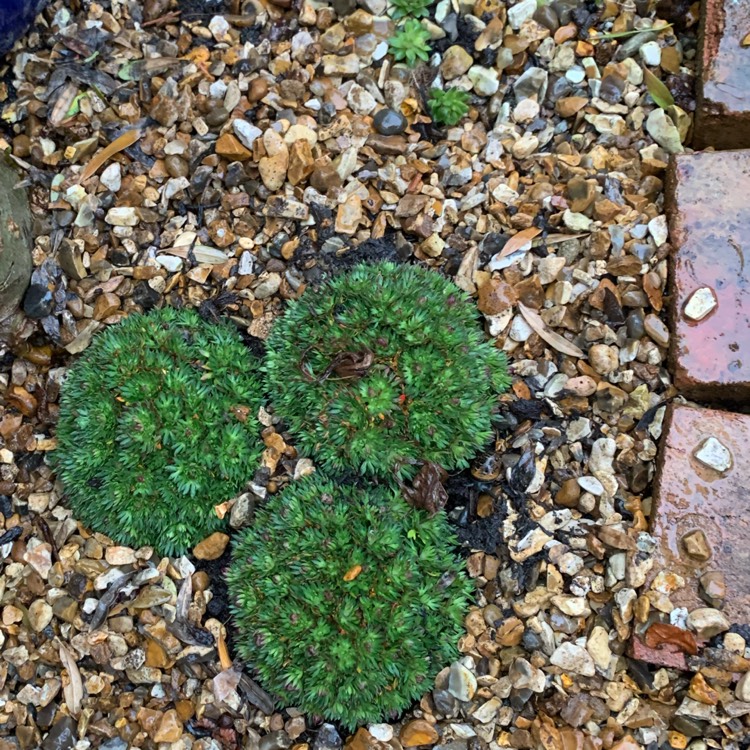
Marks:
<point>658,90</point>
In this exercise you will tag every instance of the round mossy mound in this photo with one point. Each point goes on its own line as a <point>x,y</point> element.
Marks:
<point>384,366</point>
<point>347,602</point>
<point>157,426</point>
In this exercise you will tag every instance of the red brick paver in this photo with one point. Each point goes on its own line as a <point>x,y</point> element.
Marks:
<point>723,109</point>
<point>708,202</point>
<point>690,498</point>
<point>701,515</point>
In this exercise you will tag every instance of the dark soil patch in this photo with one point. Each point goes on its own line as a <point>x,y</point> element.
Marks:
<point>218,607</point>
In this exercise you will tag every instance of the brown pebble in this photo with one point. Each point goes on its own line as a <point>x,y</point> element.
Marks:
<point>568,494</point>
<point>258,89</point>
<point>212,547</point>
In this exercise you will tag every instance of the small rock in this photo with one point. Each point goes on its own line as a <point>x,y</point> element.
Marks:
<point>742,691</point>
<point>456,61</point>
<point>696,545</point>
<point>658,230</point>
<point>707,622</point>
<point>656,329</point>
<point>389,122</point>
<point>462,684</point>
<point>212,547</point>
<point>486,80</point>
<point>122,216</point>
<point>327,738</point>
<point>664,132</point>
<point>170,727</point>
<point>38,301</point>
<point>604,359</point>
<point>40,615</point>
<point>573,658</point>
<point>520,13</point>
<point>651,54</point>
<point>381,732</point>
<point>349,215</point>
<point>598,647</point>
<point>418,732</point>
<point>230,148</point>
<point>495,296</point>
<point>111,177</point>
<point>714,455</point>
<point>246,132</point>
<point>701,302</point>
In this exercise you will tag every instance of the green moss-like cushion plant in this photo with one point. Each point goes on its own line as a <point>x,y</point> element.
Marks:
<point>410,43</point>
<point>385,366</point>
<point>448,106</point>
<point>157,426</point>
<point>347,601</point>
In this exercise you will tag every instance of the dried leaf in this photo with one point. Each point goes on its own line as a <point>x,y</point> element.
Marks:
<point>63,102</point>
<point>661,633</point>
<point>201,253</point>
<point>658,90</point>
<point>519,241</point>
<point>224,657</point>
<point>622,34</point>
<point>353,572</point>
<point>127,139</point>
<point>427,491</point>
<point>73,689</point>
<point>553,339</point>
<point>466,271</point>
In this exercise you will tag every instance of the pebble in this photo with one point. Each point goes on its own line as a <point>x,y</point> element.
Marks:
<point>742,691</point>
<point>327,738</point>
<point>604,359</point>
<point>389,122</point>
<point>38,301</point>
<point>462,683</point>
<point>212,547</point>
<point>486,81</point>
<point>521,12</point>
<point>111,177</point>
<point>713,454</point>
<point>571,657</point>
<point>651,54</point>
<point>456,61</point>
<point>664,132</point>
<point>656,329</point>
<point>418,732</point>
<point>707,622</point>
<point>246,132</point>
<point>598,647</point>
<point>701,302</point>
<point>122,216</point>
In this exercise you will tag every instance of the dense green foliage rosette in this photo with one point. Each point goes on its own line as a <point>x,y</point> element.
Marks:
<point>347,601</point>
<point>448,106</point>
<point>384,366</point>
<point>410,8</point>
<point>157,426</point>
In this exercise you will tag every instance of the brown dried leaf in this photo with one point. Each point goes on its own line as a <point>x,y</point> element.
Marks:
<point>553,339</point>
<point>519,241</point>
<point>662,633</point>
<point>353,572</point>
<point>59,111</point>
<point>224,658</point>
<point>73,689</point>
<point>427,491</point>
<point>127,139</point>
<point>653,293</point>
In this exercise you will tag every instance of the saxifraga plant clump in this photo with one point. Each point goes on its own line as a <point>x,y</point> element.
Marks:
<point>383,367</point>
<point>157,426</point>
<point>347,602</point>
<point>448,106</point>
<point>410,8</point>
